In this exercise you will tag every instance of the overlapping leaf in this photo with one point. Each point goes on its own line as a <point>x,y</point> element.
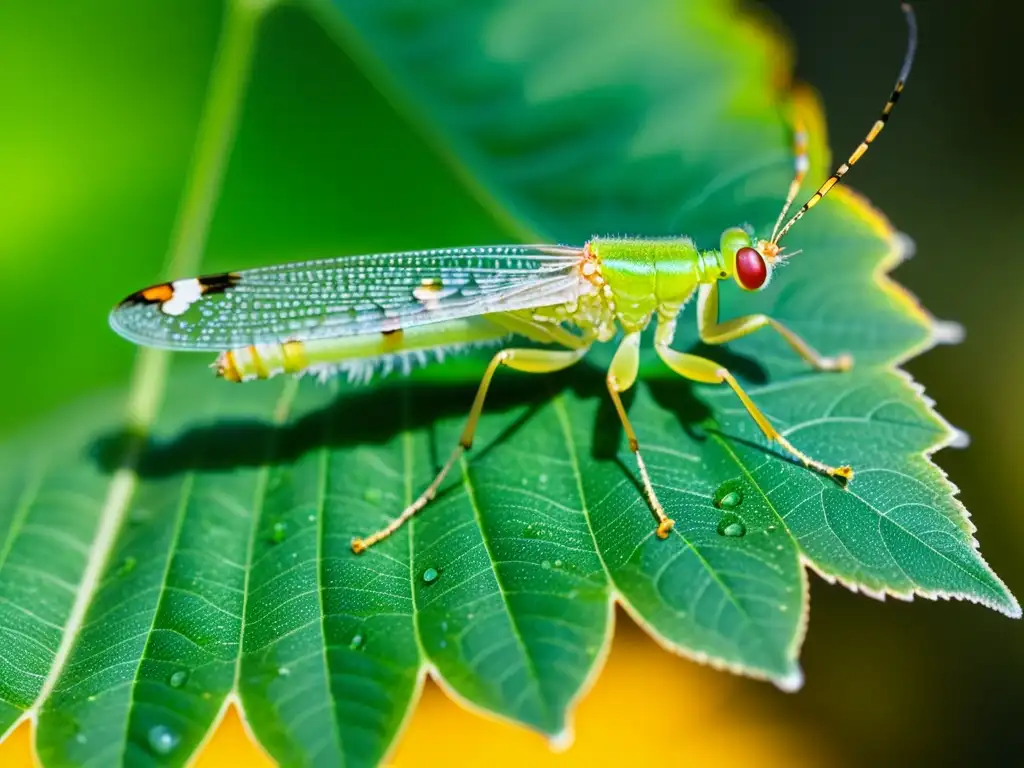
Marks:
<point>146,580</point>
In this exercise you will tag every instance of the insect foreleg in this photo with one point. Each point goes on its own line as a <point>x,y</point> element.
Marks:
<point>713,332</point>
<point>519,359</point>
<point>709,372</point>
<point>621,376</point>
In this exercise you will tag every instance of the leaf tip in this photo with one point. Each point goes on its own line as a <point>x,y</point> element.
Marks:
<point>792,681</point>
<point>563,740</point>
<point>1010,607</point>
<point>947,332</point>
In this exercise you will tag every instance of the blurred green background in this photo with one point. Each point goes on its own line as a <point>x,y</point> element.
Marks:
<point>100,105</point>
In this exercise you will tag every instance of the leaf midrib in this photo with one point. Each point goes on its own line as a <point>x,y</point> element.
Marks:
<point>513,622</point>
<point>797,639</point>
<point>573,455</point>
<point>187,485</point>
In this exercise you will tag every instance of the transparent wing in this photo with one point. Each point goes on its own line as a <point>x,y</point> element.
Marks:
<point>347,296</point>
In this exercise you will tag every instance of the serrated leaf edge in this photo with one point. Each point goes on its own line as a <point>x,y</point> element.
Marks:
<point>901,247</point>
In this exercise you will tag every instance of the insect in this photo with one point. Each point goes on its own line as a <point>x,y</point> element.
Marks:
<point>319,316</point>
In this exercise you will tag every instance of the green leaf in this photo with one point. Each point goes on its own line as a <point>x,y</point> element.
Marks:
<point>152,572</point>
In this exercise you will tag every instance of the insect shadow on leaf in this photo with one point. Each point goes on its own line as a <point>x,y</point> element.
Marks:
<point>353,418</point>
<point>224,444</point>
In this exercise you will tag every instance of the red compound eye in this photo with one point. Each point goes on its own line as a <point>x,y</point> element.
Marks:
<point>751,271</point>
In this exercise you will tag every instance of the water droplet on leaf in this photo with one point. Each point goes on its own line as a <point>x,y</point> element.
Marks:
<point>546,565</point>
<point>444,626</point>
<point>357,642</point>
<point>372,495</point>
<point>533,531</point>
<point>731,526</point>
<point>178,679</point>
<point>730,500</point>
<point>558,563</point>
<point>127,566</point>
<point>284,671</point>
<point>278,532</point>
<point>430,575</point>
<point>162,739</point>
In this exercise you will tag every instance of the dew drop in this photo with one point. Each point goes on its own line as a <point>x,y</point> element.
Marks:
<point>562,741</point>
<point>444,626</point>
<point>91,697</point>
<point>80,738</point>
<point>278,532</point>
<point>542,479</point>
<point>732,526</point>
<point>792,682</point>
<point>558,563</point>
<point>546,565</point>
<point>430,575</point>
<point>771,529</point>
<point>178,679</point>
<point>283,671</point>
<point>730,500</point>
<point>372,495</point>
<point>127,566</point>
<point>779,547</point>
<point>443,644</point>
<point>162,739</point>
<point>356,643</point>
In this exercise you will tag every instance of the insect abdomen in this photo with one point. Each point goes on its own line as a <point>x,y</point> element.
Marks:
<point>262,361</point>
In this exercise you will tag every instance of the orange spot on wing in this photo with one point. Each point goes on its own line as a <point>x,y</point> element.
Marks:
<point>162,292</point>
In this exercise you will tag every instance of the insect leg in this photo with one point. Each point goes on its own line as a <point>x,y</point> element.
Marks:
<point>519,359</point>
<point>713,332</point>
<point>621,376</point>
<point>709,372</point>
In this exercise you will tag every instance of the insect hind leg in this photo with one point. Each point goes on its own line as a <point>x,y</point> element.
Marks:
<point>519,359</point>
<point>709,372</point>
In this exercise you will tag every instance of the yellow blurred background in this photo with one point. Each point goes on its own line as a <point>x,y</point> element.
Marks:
<point>100,104</point>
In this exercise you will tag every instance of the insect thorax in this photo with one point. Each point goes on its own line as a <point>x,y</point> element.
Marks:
<point>644,277</point>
